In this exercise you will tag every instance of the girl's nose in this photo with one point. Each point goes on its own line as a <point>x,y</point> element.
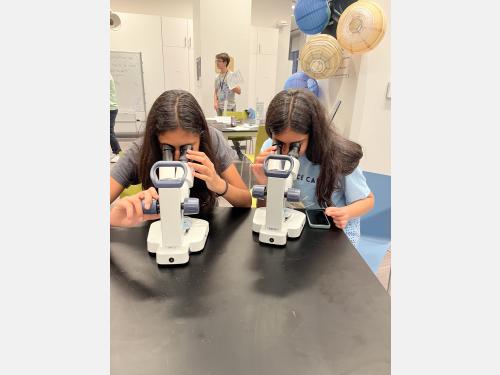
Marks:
<point>177,155</point>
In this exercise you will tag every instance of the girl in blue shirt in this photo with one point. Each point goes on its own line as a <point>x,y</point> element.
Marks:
<point>329,176</point>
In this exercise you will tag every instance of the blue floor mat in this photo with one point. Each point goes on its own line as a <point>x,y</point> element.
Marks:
<point>372,250</point>
<point>376,225</point>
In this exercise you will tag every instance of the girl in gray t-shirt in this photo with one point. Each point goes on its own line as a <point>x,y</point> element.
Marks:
<point>176,119</point>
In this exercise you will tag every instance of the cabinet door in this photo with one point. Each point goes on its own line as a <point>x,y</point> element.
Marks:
<point>252,76</point>
<point>191,60</point>
<point>254,44</point>
<point>265,80</point>
<point>174,32</point>
<point>190,42</point>
<point>191,71</point>
<point>176,63</point>
<point>267,40</point>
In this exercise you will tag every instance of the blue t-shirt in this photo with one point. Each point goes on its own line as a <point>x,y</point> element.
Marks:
<point>354,188</point>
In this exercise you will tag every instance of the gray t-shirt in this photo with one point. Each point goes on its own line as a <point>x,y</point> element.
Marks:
<point>125,171</point>
<point>223,92</point>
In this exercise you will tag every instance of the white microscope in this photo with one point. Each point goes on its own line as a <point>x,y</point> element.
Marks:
<point>174,236</point>
<point>274,222</point>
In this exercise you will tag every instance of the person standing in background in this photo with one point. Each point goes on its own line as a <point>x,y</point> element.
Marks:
<point>224,97</point>
<point>222,91</point>
<point>113,111</point>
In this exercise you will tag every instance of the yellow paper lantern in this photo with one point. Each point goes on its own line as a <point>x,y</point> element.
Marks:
<point>361,26</point>
<point>321,56</point>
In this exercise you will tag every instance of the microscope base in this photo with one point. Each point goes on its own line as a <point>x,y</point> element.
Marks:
<point>194,240</point>
<point>293,225</point>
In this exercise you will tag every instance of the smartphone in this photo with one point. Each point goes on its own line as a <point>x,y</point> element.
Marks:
<point>317,219</point>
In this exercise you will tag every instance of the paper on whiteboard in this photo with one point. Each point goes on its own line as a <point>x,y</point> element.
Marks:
<point>234,79</point>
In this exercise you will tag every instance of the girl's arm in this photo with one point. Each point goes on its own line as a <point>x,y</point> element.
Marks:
<point>127,212</point>
<point>216,101</point>
<point>341,215</point>
<point>258,171</point>
<point>361,207</point>
<point>237,193</point>
<point>115,189</point>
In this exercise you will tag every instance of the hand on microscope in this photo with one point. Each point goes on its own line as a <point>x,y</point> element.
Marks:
<point>258,165</point>
<point>127,211</point>
<point>204,169</point>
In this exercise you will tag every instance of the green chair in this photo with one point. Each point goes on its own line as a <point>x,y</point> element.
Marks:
<point>131,190</point>
<point>239,116</point>
<point>259,140</point>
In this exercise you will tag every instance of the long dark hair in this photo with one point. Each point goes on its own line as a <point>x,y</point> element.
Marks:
<point>301,111</point>
<point>177,109</point>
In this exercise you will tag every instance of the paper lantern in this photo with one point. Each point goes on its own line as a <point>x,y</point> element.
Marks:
<point>312,16</point>
<point>300,80</point>
<point>321,56</point>
<point>361,26</point>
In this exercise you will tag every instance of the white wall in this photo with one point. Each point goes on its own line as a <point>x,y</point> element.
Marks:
<point>236,16</point>
<point>169,8</point>
<point>265,13</point>
<point>221,26</point>
<point>365,113</point>
<point>148,41</point>
<point>371,122</point>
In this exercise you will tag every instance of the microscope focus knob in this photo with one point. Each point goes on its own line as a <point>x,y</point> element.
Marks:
<point>191,206</point>
<point>259,191</point>
<point>293,195</point>
<point>154,209</point>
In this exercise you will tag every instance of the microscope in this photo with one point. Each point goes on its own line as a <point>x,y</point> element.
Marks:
<point>174,236</point>
<point>274,222</point>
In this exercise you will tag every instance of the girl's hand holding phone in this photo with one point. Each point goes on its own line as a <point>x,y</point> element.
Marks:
<point>340,216</point>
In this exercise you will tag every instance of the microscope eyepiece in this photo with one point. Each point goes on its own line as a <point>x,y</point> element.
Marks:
<point>294,150</point>
<point>184,150</point>
<point>279,147</point>
<point>168,152</point>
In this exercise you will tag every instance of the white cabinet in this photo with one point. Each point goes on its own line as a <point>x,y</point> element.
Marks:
<point>191,60</point>
<point>265,73</point>
<point>267,41</point>
<point>254,43</point>
<point>178,56</point>
<point>174,32</point>
<point>263,40</point>
<point>190,34</point>
<point>263,65</point>
<point>176,68</point>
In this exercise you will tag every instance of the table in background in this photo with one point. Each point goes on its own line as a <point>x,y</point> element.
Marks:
<point>241,307</point>
<point>228,131</point>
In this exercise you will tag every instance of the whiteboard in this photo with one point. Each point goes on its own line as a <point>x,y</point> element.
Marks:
<point>126,69</point>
